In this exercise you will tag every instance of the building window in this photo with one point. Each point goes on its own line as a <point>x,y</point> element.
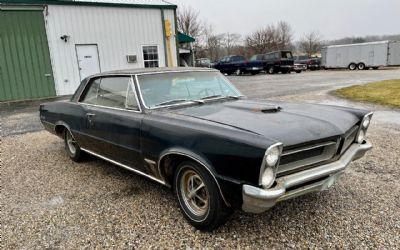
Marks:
<point>150,56</point>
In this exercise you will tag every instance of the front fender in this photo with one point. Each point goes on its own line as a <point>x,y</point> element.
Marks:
<point>195,157</point>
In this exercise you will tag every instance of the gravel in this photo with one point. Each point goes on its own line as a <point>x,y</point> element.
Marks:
<point>48,201</point>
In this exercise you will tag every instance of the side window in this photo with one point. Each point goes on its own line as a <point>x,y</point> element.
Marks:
<point>112,92</point>
<point>150,56</point>
<point>131,101</point>
<point>276,55</point>
<point>90,94</point>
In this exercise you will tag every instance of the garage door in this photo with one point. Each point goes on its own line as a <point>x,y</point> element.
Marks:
<point>25,68</point>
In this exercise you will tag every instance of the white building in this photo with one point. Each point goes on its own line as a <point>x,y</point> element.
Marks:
<point>86,37</point>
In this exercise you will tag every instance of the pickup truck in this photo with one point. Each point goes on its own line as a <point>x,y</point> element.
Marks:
<point>238,65</point>
<point>313,63</point>
<point>277,61</point>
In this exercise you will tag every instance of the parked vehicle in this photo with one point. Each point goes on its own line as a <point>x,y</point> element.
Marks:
<point>238,65</point>
<point>192,130</point>
<point>278,61</point>
<point>203,62</point>
<point>299,67</point>
<point>362,55</point>
<point>313,63</point>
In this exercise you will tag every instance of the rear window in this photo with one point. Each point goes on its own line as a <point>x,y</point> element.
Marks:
<point>287,55</point>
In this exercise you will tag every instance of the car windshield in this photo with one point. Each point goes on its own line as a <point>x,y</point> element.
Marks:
<point>181,87</point>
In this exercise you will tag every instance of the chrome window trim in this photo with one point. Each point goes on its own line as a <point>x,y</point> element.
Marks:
<point>131,82</point>
<point>196,160</point>
<point>124,166</point>
<point>264,161</point>
<point>182,103</point>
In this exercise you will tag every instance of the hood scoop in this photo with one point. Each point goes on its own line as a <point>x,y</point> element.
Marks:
<point>271,110</point>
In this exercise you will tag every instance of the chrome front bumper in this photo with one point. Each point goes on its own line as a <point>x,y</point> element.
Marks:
<point>258,200</point>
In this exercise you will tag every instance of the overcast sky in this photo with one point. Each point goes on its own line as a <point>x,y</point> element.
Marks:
<point>334,19</point>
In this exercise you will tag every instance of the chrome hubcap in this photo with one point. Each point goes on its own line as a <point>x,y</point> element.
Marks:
<point>71,143</point>
<point>194,193</point>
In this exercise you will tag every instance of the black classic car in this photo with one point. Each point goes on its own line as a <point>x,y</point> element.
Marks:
<point>192,130</point>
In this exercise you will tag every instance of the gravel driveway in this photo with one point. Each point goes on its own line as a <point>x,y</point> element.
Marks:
<point>47,201</point>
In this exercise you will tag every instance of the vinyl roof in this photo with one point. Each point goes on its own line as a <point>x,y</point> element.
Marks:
<point>160,4</point>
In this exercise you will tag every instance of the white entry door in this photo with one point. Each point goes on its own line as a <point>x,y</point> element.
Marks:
<point>88,60</point>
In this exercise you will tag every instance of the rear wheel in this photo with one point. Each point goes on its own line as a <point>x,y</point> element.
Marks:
<point>238,72</point>
<point>72,147</point>
<point>352,66</point>
<point>271,70</point>
<point>198,196</point>
<point>361,66</point>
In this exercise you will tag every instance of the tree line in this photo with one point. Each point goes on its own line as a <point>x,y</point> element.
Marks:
<point>278,36</point>
<point>273,37</point>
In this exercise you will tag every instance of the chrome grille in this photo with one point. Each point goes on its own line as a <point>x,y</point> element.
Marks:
<point>296,159</point>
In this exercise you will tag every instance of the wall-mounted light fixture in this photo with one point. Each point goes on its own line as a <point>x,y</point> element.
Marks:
<point>64,38</point>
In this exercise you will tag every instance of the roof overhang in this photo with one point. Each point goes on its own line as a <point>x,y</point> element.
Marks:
<point>118,3</point>
<point>183,38</point>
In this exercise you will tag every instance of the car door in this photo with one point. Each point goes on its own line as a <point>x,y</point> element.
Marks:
<point>113,121</point>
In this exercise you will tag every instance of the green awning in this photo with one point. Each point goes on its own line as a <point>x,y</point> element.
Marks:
<point>183,38</point>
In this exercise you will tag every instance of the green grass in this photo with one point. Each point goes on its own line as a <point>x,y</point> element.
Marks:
<point>384,92</point>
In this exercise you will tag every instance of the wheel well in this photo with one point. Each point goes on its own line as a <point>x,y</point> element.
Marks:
<point>60,130</point>
<point>168,165</point>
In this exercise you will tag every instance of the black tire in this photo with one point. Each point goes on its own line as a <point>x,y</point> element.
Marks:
<point>75,155</point>
<point>238,72</point>
<point>361,66</point>
<point>298,71</point>
<point>210,216</point>
<point>271,70</point>
<point>352,66</point>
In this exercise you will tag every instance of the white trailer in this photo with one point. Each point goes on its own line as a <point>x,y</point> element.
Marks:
<point>362,55</point>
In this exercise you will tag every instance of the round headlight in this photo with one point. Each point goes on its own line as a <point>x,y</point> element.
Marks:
<point>268,177</point>
<point>361,136</point>
<point>272,156</point>
<point>366,122</point>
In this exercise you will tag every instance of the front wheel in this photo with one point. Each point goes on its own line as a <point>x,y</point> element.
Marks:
<point>238,72</point>
<point>199,197</point>
<point>271,70</point>
<point>361,66</point>
<point>352,66</point>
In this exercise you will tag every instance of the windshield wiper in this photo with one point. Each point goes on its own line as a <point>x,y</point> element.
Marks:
<point>220,96</point>
<point>176,101</point>
<point>210,97</point>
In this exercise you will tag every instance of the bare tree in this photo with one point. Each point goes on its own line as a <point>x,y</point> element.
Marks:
<point>212,43</point>
<point>189,23</point>
<point>310,43</point>
<point>230,41</point>
<point>262,40</point>
<point>284,34</point>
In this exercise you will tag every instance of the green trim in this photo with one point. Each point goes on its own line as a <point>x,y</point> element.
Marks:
<point>177,40</point>
<point>183,38</point>
<point>66,2</point>
<point>164,38</point>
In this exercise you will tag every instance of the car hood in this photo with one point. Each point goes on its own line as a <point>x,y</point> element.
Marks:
<point>289,123</point>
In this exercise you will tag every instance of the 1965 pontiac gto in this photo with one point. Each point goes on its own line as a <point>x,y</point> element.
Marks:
<point>192,130</point>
